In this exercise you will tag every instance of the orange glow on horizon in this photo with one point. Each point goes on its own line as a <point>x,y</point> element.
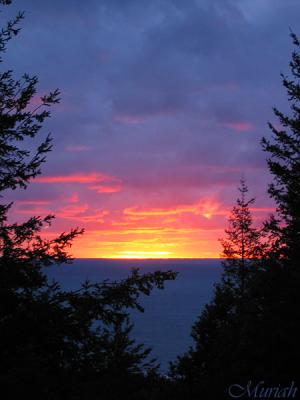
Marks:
<point>195,245</point>
<point>136,231</point>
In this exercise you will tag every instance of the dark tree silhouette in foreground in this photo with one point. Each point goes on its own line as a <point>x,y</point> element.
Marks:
<point>280,284</point>
<point>242,248</point>
<point>273,340</point>
<point>250,331</point>
<point>284,164</point>
<point>214,358</point>
<point>54,343</point>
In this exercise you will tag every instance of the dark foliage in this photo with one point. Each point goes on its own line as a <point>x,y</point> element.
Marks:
<point>57,344</point>
<point>250,331</point>
<point>280,289</point>
<point>284,163</point>
<point>219,347</point>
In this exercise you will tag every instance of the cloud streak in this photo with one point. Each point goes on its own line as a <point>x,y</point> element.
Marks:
<point>74,178</point>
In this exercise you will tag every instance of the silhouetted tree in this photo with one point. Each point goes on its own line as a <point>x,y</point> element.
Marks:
<point>218,351</point>
<point>54,343</point>
<point>251,329</point>
<point>242,248</point>
<point>278,291</point>
<point>284,164</point>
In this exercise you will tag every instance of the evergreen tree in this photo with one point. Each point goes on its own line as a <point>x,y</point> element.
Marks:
<point>251,329</point>
<point>284,164</point>
<point>219,351</point>
<point>54,343</point>
<point>242,248</point>
<point>278,291</point>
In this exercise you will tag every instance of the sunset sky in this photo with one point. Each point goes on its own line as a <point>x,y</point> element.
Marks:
<point>164,103</point>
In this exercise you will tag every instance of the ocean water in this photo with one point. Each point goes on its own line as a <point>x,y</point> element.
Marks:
<point>165,325</point>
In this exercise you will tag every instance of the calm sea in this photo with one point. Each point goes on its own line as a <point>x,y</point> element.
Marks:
<point>165,325</point>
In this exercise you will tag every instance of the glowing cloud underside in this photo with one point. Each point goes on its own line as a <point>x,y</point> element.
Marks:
<point>112,231</point>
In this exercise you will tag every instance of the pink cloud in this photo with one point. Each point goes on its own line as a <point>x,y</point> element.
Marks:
<point>106,188</point>
<point>34,211</point>
<point>81,213</point>
<point>207,207</point>
<point>239,126</point>
<point>71,211</point>
<point>73,198</point>
<point>33,202</point>
<point>96,216</point>
<point>75,178</point>
<point>133,119</point>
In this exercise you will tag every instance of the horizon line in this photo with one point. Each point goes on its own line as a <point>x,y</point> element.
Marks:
<point>147,258</point>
